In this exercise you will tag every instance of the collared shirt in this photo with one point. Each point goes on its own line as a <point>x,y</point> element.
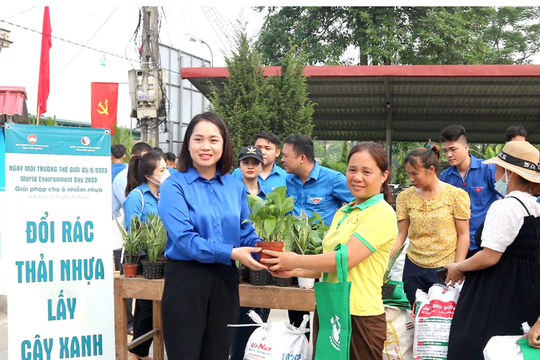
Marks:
<point>118,191</point>
<point>134,206</point>
<point>204,218</point>
<point>432,224</point>
<point>275,179</point>
<point>480,185</point>
<point>324,191</point>
<point>116,168</point>
<point>374,224</point>
<point>263,190</point>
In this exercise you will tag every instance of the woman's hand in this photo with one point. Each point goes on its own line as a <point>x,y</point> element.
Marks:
<point>280,260</point>
<point>243,254</point>
<point>534,334</point>
<point>283,273</point>
<point>453,276</point>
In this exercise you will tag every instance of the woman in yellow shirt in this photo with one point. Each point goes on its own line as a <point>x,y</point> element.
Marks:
<point>368,226</point>
<point>435,216</point>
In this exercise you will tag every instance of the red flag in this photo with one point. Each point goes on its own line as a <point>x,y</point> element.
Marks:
<point>104,105</point>
<point>44,75</point>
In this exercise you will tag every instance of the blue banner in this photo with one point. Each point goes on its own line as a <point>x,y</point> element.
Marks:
<point>56,140</point>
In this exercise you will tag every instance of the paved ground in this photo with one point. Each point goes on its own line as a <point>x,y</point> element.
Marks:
<point>275,315</point>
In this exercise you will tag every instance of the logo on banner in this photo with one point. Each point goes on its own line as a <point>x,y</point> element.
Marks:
<point>85,140</point>
<point>316,200</point>
<point>32,139</point>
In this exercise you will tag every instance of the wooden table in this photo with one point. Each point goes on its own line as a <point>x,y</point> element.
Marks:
<point>273,297</point>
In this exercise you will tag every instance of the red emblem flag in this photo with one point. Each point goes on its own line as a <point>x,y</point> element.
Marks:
<point>104,105</point>
<point>44,74</point>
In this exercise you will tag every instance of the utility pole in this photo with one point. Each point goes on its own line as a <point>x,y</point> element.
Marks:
<point>150,61</point>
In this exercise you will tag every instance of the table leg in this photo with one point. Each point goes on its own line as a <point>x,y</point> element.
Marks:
<point>120,326</point>
<point>159,352</point>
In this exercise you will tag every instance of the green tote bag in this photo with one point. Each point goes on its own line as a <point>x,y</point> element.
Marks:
<point>334,338</point>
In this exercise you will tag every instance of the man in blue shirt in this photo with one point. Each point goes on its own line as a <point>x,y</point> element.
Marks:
<point>118,155</point>
<point>271,176</point>
<point>315,188</point>
<point>468,173</point>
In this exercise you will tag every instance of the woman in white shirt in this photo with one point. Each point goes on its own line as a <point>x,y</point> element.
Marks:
<point>502,289</point>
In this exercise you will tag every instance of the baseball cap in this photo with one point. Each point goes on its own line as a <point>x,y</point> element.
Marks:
<point>251,151</point>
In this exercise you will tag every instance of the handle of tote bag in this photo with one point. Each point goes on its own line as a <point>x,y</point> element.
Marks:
<point>342,264</point>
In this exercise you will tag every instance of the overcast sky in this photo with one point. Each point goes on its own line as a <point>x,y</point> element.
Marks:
<point>108,33</point>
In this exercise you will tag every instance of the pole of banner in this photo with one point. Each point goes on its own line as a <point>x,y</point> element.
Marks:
<point>38,115</point>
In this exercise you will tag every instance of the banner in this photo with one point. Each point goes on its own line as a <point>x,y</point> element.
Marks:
<point>44,74</point>
<point>104,105</point>
<point>57,243</point>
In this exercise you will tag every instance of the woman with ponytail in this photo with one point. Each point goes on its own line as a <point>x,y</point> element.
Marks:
<point>434,216</point>
<point>145,175</point>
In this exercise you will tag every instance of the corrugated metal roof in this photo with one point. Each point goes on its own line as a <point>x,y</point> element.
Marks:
<point>413,103</point>
<point>12,99</point>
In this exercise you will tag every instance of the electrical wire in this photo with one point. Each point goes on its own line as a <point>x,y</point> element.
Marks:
<point>84,46</point>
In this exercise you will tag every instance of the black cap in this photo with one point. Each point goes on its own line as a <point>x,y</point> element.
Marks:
<point>251,152</point>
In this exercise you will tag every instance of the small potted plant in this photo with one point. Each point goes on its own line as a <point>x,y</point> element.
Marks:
<point>308,235</point>
<point>133,246</point>
<point>155,238</point>
<point>273,223</point>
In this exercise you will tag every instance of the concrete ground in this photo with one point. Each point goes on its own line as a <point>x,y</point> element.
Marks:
<point>275,315</point>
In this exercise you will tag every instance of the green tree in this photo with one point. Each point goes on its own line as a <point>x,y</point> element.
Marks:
<point>251,102</point>
<point>122,135</point>
<point>345,152</point>
<point>288,100</point>
<point>243,102</point>
<point>401,35</point>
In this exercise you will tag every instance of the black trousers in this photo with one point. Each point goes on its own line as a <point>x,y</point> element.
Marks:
<point>142,323</point>
<point>199,301</point>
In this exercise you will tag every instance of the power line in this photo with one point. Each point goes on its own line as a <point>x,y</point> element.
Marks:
<point>84,46</point>
<point>77,44</point>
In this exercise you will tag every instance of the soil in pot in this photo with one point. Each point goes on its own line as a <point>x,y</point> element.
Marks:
<point>260,277</point>
<point>270,245</point>
<point>130,270</point>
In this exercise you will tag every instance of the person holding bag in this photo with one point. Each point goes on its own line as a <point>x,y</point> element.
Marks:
<point>368,228</point>
<point>502,284</point>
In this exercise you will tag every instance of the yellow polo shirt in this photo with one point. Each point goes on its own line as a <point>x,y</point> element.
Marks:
<point>374,224</point>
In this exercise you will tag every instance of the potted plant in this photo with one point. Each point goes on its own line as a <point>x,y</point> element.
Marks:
<point>308,234</point>
<point>273,223</point>
<point>154,237</point>
<point>133,246</point>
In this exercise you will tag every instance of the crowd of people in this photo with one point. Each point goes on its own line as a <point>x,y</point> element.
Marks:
<point>479,220</point>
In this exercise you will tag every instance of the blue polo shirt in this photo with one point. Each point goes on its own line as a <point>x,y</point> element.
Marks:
<point>134,206</point>
<point>480,185</point>
<point>116,168</point>
<point>204,218</point>
<point>324,192</point>
<point>263,190</point>
<point>275,179</point>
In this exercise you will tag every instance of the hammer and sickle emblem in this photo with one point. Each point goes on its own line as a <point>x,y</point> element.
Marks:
<point>104,110</point>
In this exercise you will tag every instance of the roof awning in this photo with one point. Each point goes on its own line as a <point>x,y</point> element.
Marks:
<point>413,102</point>
<point>12,100</point>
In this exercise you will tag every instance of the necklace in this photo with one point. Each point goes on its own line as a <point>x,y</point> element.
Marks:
<point>463,178</point>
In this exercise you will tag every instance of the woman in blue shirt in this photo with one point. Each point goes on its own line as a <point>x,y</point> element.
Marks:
<point>203,209</point>
<point>145,175</point>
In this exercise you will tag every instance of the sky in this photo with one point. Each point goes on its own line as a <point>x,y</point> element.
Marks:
<point>95,43</point>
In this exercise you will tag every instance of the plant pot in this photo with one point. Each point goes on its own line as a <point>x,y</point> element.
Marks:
<point>306,283</point>
<point>243,272</point>
<point>260,277</point>
<point>153,270</point>
<point>284,282</point>
<point>130,270</point>
<point>270,245</point>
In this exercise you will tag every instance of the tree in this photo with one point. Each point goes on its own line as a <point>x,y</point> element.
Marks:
<point>401,35</point>
<point>243,102</point>
<point>251,103</point>
<point>289,103</point>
